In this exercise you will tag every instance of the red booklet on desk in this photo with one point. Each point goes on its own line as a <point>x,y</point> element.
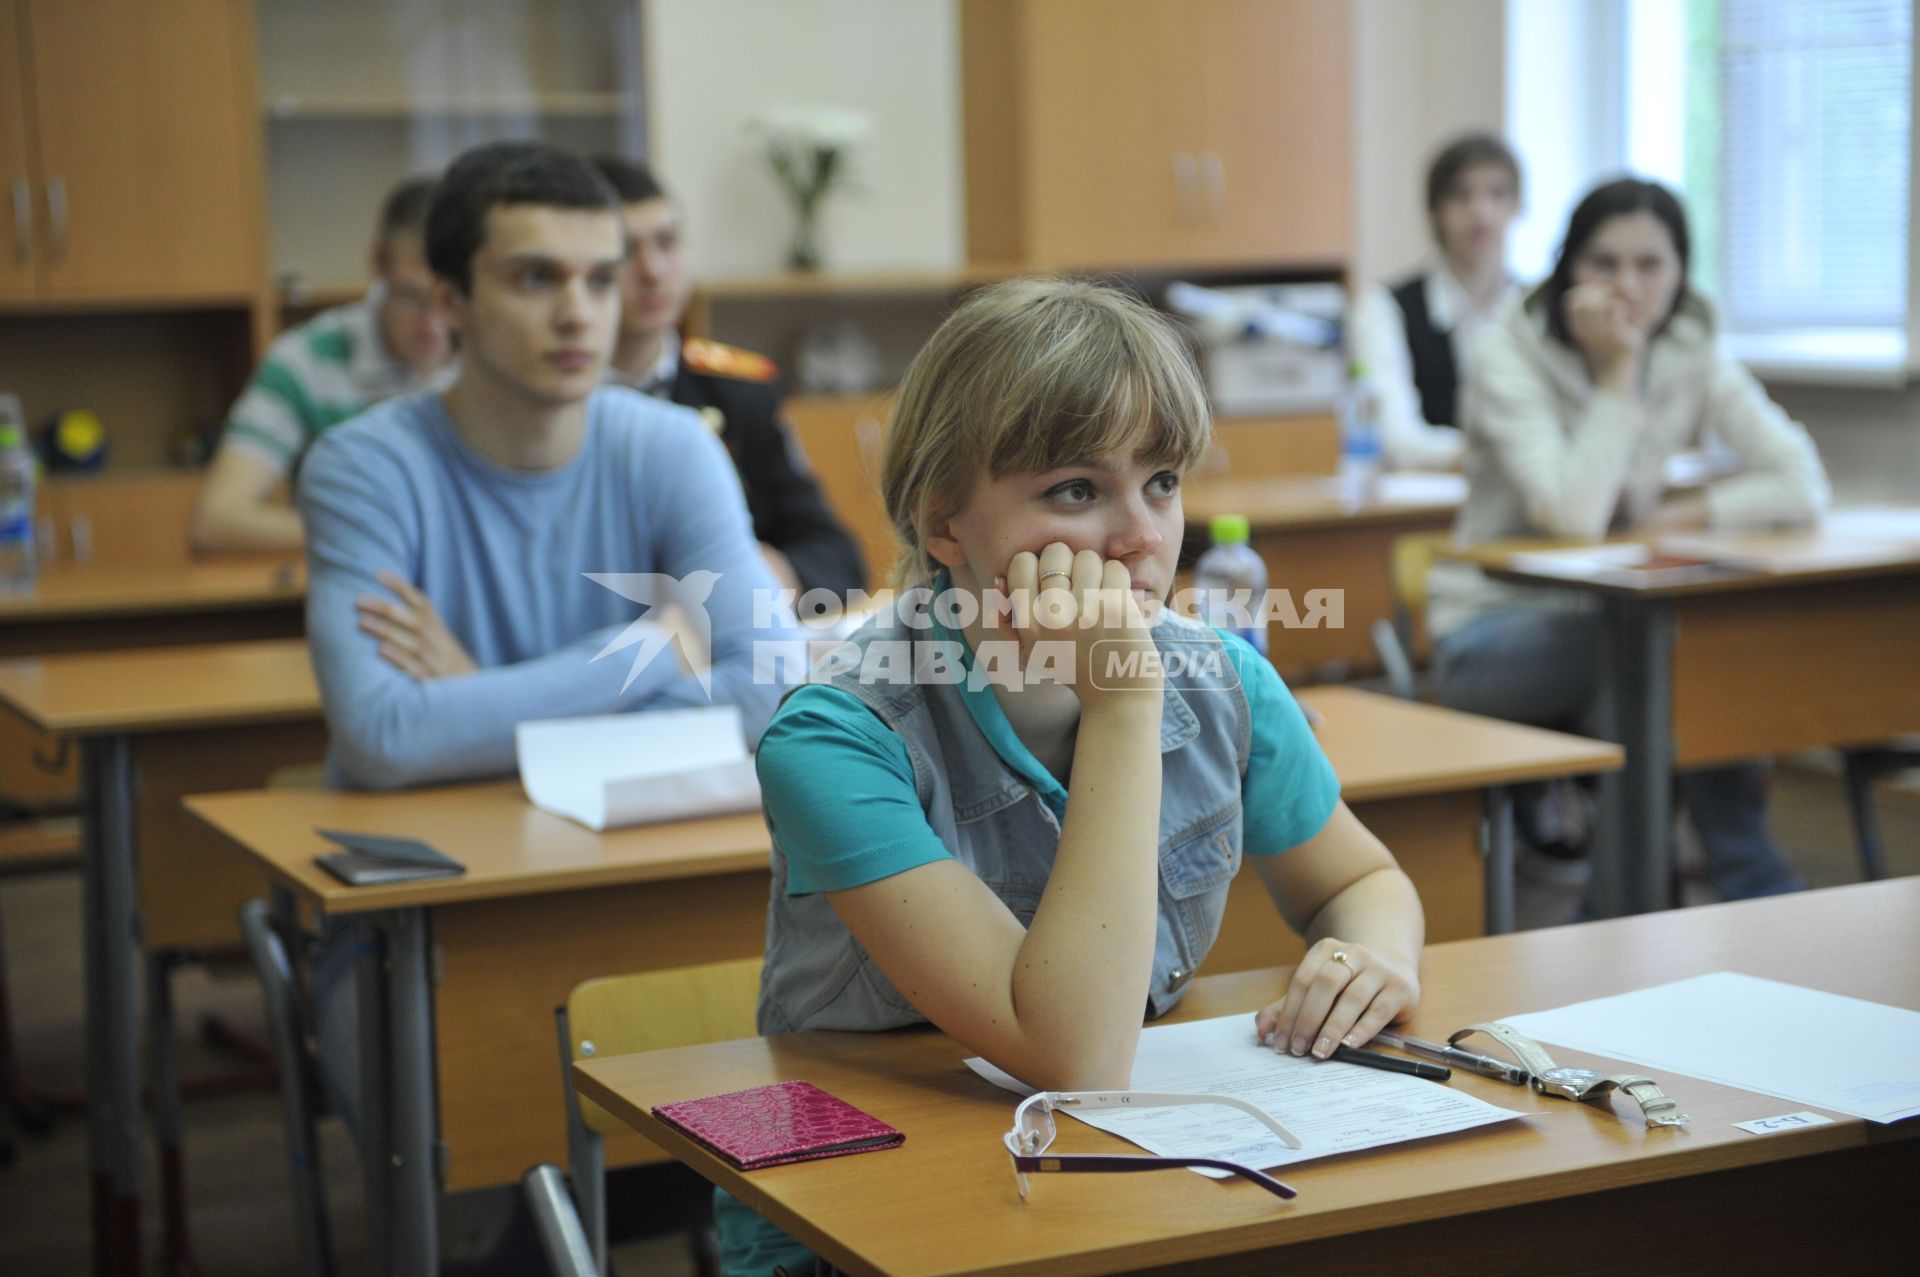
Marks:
<point>772,1125</point>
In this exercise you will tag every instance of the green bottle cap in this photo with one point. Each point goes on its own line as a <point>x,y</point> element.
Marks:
<point>11,435</point>
<point>1229,529</point>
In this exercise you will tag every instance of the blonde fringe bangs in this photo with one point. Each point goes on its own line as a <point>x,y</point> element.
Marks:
<point>1030,375</point>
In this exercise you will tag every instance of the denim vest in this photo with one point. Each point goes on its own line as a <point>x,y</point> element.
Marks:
<point>992,819</point>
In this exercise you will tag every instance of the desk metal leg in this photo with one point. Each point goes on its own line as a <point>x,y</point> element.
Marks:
<point>168,1122</point>
<point>113,1027</point>
<point>398,1112</point>
<point>370,996</point>
<point>1497,844</point>
<point>1634,872</point>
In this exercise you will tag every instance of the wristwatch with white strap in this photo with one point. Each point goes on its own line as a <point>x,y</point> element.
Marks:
<point>1566,1083</point>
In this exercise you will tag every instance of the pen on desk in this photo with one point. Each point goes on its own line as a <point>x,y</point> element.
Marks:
<point>1472,1062</point>
<point>1390,1063</point>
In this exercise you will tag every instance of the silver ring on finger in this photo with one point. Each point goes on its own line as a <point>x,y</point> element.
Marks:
<point>1055,572</point>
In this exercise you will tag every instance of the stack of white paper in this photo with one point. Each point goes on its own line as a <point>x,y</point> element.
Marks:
<point>634,769</point>
<point>1332,1107</point>
<point>1798,1044</point>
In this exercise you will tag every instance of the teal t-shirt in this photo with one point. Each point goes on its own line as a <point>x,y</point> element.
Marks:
<point>867,824</point>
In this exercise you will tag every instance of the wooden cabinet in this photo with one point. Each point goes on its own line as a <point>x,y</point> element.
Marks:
<point>138,127</point>
<point>356,95</point>
<point>1157,132</point>
<point>16,255</point>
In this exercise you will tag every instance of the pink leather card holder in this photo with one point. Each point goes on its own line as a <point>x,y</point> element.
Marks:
<point>772,1125</point>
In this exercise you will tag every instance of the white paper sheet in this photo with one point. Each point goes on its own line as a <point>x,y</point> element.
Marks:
<point>1415,487</point>
<point>1333,1108</point>
<point>1782,1040</point>
<point>1580,561</point>
<point>634,769</point>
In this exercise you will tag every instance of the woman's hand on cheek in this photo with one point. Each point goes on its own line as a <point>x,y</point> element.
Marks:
<point>1331,1002</point>
<point>1006,614</point>
<point>1598,323</point>
<point>1082,607</point>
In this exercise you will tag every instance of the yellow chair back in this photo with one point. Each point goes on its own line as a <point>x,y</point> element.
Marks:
<point>656,1010</point>
<point>1411,557</point>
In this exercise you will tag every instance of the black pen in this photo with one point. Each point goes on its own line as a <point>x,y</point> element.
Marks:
<point>1471,1061</point>
<point>1390,1063</point>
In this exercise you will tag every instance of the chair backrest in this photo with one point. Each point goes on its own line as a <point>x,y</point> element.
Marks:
<point>655,1010</point>
<point>1402,643</point>
<point>1411,558</point>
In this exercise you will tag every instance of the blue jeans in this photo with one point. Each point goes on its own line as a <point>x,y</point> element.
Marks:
<point>1543,668</point>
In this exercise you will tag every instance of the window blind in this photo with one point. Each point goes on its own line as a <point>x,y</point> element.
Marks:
<point>1816,107</point>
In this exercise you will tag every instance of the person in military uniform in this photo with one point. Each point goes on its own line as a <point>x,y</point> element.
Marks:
<point>736,391</point>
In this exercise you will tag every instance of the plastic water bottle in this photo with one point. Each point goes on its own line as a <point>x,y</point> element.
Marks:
<point>1228,568</point>
<point>1360,443</point>
<point>17,562</point>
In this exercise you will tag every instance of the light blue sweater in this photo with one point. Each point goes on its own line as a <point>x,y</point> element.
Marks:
<point>502,554</point>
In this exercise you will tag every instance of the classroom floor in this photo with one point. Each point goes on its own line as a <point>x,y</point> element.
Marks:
<point>242,1223</point>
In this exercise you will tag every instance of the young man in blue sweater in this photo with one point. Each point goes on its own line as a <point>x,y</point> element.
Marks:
<point>450,537</point>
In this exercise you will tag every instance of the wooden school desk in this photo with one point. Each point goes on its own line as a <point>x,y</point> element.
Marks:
<point>87,607</point>
<point>153,725</point>
<point>1581,1188</point>
<point>1311,539</point>
<point>1434,785</point>
<point>113,605</point>
<point>546,904</point>
<point>1810,641</point>
<point>468,970</point>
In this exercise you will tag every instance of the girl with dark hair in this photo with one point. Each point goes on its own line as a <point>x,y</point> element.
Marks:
<point>1413,336</point>
<point>1573,406</point>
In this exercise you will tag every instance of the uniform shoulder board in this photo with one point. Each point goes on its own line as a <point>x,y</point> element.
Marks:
<point>721,360</point>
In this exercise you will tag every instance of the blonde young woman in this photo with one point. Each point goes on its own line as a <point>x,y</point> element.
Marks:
<point>1029,864</point>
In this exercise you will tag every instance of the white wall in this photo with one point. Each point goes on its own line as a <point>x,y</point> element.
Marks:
<point>1869,439</point>
<point>1567,116</point>
<point>1424,70</point>
<point>713,64</point>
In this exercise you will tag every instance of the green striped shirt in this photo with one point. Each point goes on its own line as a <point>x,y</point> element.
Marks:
<point>330,369</point>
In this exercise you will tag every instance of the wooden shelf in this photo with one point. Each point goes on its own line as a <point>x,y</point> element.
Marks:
<point>877,284</point>
<point>118,301</point>
<point>581,105</point>
<point>320,296</point>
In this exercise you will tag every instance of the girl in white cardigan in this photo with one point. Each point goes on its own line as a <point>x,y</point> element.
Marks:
<point>1573,405</point>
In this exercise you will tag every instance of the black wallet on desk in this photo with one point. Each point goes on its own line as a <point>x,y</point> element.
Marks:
<point>371,859</point>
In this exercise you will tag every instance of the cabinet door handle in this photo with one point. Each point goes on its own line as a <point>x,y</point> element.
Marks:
<point>57,216</point>
<point>1183,188</point>
<point>22,220</point>
<point>1216,181</point>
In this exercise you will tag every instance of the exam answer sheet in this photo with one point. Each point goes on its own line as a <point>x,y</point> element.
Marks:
<point>1332,1107</point>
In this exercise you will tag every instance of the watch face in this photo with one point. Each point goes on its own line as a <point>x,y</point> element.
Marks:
<point>1572,1083</point>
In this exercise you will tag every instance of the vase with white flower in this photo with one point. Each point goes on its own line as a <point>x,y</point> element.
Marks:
<point>810,150</point>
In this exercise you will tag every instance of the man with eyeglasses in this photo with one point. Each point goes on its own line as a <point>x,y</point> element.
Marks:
<point>392,342</point>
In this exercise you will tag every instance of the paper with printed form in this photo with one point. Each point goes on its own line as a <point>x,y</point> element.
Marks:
<point>1332,1107</point>
<point>634,769</point>
<point>1797,1044</point>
